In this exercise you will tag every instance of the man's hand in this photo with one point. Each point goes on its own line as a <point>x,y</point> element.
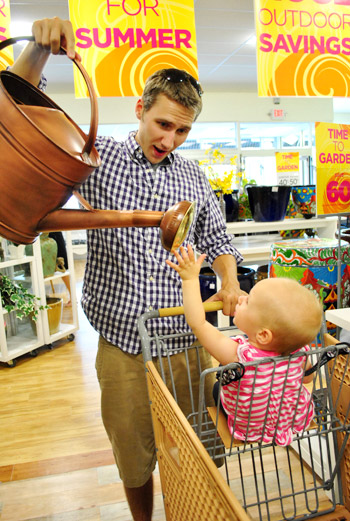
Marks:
<point>225,267</point>
<point>229,295</point>
<point>52,33</point>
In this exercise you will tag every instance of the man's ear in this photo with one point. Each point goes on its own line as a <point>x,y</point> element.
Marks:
<point>264,336</point>
<point>139,108</point>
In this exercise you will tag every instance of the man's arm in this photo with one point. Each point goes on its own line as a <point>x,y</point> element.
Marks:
<point>50,34</point>
<point>225,267</point>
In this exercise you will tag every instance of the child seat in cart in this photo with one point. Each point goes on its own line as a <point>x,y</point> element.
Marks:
<point>207,474</point>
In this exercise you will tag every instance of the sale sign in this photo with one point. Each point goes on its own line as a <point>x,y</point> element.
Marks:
<point>303,47</point>
<point>6,55</point>
<point>122,43</point>
<point>287,167</point>
<point>332,168</point>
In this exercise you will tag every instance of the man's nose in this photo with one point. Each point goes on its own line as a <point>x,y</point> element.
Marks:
<point>168,140</point>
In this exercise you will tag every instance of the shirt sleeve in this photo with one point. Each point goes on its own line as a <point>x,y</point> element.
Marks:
<point>211,235</point>
<point>42,83</point>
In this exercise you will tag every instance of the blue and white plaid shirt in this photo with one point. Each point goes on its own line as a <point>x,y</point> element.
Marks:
<point>126,273</point>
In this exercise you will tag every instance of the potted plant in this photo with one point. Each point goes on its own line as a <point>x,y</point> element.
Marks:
<point>15,297</point>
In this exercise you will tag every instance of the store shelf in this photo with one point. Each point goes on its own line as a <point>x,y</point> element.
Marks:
<point>256,248</point>
<point>23,338</point>
<point>339,317</point>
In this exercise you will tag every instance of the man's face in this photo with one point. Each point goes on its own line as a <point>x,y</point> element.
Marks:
<point>162,128</point>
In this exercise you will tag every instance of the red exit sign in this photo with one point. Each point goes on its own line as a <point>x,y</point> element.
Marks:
<point>278,114</point>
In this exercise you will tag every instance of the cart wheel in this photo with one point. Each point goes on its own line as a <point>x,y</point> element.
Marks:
<point>34,353</point>
<point>49,346</point>
<point>11,363</point>
<point>70,337</point>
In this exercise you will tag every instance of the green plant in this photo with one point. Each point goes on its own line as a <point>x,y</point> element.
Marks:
<point>15,297</point>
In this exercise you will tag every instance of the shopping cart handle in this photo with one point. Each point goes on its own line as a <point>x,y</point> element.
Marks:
<point>214,305</point>
<point>342,348</point>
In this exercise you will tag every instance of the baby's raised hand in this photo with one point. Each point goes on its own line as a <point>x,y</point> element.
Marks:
<point>188,267</point>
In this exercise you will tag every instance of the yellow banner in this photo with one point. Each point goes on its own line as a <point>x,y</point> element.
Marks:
<point>303,47</point>
<point>122,43</point>
<point>332,168</point>
<point>6,55</point>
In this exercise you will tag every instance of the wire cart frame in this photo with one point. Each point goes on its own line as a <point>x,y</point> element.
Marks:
<point>207,474</point>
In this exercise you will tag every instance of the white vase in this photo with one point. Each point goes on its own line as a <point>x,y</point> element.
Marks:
<point>16,252</point>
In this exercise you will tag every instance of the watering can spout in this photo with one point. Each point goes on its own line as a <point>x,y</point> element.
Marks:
<point>65,219</point>
<point>173,224</point>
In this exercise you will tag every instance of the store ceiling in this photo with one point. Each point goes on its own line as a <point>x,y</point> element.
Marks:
<point>225,43</point>
<point>225,28</point>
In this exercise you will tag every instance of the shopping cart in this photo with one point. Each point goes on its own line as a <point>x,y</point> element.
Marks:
<point>309,479</point>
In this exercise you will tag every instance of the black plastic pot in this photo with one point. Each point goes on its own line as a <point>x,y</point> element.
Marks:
<point>268,203</point>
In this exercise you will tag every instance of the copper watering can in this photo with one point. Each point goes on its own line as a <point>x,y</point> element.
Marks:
<point>45,157</point>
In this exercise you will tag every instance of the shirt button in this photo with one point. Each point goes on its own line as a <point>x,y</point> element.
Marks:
<point>150,308</point>
<point>151,278</point>
<point>156,196</point>
<point>150,251</point>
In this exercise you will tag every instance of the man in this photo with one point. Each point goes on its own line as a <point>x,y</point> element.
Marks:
<point>126,273</point>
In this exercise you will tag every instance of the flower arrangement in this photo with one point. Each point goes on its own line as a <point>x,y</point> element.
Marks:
<point>229,180</point>
<point>220,183</point>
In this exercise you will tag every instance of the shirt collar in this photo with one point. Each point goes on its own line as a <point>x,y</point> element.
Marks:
<point>135,150</point>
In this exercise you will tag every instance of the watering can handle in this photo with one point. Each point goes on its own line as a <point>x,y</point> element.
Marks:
<point>93,100</point>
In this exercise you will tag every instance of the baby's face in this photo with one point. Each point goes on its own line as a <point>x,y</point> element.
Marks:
<point>246,315</point>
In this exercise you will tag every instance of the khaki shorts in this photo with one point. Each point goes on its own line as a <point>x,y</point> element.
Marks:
<point>125,406</point>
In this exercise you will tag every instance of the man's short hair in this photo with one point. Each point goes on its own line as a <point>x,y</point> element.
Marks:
<point>177,85</point>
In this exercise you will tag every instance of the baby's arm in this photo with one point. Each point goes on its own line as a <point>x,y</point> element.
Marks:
<point>222,348</point>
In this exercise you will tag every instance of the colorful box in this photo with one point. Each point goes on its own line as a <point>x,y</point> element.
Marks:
<point>314,264</point>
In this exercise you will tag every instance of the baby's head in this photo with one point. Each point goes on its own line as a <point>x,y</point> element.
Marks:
<point>283,314</point>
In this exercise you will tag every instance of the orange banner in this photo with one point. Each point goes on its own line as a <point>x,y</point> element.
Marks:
<point>303,47</point>
<point>332,168</point>
<point>122,43</point>
<point>6,55</point>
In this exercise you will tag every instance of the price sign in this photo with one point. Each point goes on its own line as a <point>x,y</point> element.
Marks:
<point>332,168</point>
<point>287,167</point>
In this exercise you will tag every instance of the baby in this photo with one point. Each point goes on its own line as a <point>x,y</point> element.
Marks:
<point>278,317</point>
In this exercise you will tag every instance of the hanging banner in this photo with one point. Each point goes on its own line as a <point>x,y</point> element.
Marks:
<point>287,167</point>
<point>6,55</point>
<point>303,47</point>
<point>332,168</point>
<point>122,43</point>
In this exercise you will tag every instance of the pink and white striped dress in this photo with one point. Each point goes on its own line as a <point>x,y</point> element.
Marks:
<point>269,402</point>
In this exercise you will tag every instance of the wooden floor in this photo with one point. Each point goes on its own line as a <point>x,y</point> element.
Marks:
<point>55,458</point>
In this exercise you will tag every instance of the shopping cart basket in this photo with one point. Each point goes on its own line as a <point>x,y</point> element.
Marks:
<point>305,480</point>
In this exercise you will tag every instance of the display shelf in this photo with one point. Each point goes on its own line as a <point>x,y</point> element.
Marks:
<point>67,329</point>
<point>325,225</point>
<point>25,339</point>
<point>256,248</point>
<point>339,317</point>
